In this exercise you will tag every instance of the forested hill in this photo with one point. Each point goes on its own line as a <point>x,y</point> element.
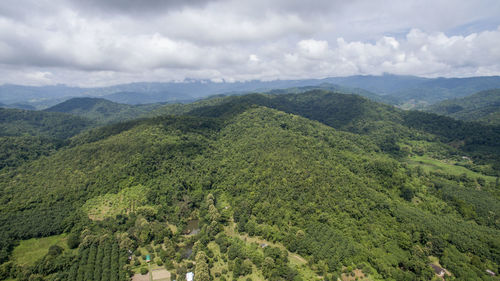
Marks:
<point>26,135</point>
<point>277,192</point>
<point>386,125</point>
<point>338,89</point>
<point>483,106</point>
<point>17,122</point>
<point>101,110</point>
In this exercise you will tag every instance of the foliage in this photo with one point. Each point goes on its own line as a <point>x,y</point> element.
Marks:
<point>324,175</point>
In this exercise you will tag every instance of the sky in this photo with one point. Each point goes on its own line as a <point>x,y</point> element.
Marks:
<point>105,42</point>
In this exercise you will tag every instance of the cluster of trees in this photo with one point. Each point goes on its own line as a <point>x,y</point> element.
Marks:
<point>241,257</point>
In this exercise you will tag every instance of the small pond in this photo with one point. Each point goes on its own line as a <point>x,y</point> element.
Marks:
<point>192,227</point>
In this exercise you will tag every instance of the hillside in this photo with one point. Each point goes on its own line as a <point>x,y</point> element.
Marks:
<point>101,110</point>
<point>483,106</point>
<point>390,128</point>
<point>26,135</point>
<point>17,122</point>
<point>310,175</point>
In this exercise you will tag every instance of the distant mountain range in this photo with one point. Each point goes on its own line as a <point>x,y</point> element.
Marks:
<point>407,91</point>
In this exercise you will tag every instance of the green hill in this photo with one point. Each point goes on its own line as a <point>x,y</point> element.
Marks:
<point>483,106</point>
<point>389,127</point>
<point>17,122</point>
<point>101,110</point>
<point>26,135</point>
<point>326,184</point>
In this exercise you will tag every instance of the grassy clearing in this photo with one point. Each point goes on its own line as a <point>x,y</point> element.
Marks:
<point>110,205</point>
<point>29,251</point>
<point>433,165</point>
<point>301,265</point>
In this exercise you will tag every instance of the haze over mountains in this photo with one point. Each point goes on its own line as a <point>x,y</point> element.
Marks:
<point>403,90</point>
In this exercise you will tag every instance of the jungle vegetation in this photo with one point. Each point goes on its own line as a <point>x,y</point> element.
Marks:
<point>310,186</point>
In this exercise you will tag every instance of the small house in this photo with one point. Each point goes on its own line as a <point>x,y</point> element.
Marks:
<point>437,269</point>
<point>490,273</point>
<point>189,276</point>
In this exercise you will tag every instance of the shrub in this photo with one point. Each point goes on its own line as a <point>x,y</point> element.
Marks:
<point>73,240</point>
<point>55,250</point>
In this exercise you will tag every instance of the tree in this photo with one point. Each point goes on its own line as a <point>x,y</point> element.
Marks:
<point>407,193</point>
<point>55,250</point>
<point>73,240</point>
<point>246,267</point>
<point>214,213</point>
<point>202,272</point>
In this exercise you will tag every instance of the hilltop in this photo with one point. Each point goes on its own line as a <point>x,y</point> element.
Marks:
<point>102,110</point>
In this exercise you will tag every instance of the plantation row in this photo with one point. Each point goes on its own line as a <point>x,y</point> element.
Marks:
<point>100,261</point>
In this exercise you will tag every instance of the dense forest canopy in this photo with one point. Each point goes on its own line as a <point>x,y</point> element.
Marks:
<point>310,186</point>
<point>483,106</point>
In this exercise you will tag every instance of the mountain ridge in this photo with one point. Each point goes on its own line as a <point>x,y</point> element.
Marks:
<point>401,88</point>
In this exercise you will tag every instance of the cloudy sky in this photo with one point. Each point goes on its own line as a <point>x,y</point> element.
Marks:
<point>104,42</point>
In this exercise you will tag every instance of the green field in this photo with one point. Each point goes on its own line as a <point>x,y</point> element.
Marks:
<point>29,251</point>
<point>449,167</point>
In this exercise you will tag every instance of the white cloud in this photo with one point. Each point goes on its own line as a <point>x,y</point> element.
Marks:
<point>314,49</point>
<point>75,42</point>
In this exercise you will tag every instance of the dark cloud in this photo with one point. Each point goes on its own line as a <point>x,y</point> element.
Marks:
<point>137,7</point>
